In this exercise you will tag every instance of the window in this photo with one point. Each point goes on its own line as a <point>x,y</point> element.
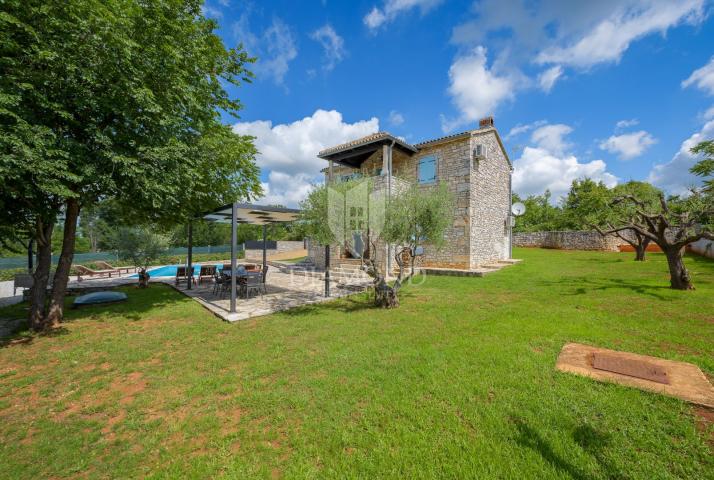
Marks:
<point>426,172</point>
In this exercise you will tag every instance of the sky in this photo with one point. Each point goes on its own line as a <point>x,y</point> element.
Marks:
<point>611,90</point>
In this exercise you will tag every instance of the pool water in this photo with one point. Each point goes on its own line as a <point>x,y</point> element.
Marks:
<point>170,271</point>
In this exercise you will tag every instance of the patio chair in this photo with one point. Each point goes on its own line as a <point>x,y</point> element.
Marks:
<point>218,281</point>
<point>207,271</point>
<point>182,273</point>
<point>108,266</point>
<point>225,282</point>
<point>88,272</point>
<point>253,283</point>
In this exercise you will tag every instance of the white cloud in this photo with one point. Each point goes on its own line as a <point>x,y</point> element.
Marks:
<point>549,165</point>
<point>475,89</point>
<point>286,190</point>
<point>674,176</point>
<point>703,78</point>
<point>211,12</point>
<point>626,123</point>
<point>374,18</point>
<point>392,8</point>
<point>709,114</point>
<point>289,151</point>
<point>520,128</point>
<point>573,34</point>
<point>395,118</point>
<point>547,78</point>
<point>628,145</point>
<point>332,44</point>
<point>552,138</point>
<point>611,37</point>
<point>275,48</point>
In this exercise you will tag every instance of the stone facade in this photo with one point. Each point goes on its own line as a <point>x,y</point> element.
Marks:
<point>481,191</point>
<point>568,240</point>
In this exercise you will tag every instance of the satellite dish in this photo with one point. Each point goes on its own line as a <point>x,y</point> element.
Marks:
<point>518,209</point>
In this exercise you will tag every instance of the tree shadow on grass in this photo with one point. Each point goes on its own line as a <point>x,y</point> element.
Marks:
<point>583,285</point>
<point>136,308</point>
<point>351,304</point>
<point>589,439</point>
<point>25,337</point>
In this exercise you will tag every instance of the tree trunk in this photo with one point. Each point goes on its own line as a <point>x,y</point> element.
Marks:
<point>678,275</point>
<point>59,286</point>
<point>143,278</point>
<point>41,276</point>
<point>641,249</point>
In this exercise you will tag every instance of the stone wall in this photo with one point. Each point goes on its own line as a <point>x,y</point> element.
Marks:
<point>703,247</point>
<point>316,253</point>
<point>568,240</point>
<point>281,246</point>
<point>453,169</point>
<point>490,200</point>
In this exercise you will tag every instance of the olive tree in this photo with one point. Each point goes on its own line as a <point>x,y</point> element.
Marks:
<point>342,212</point>
<point>618,212</point>
<point>141,245</point>
<point>672,224</point>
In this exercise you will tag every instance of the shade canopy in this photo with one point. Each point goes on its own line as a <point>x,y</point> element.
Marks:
<point>253,214</point>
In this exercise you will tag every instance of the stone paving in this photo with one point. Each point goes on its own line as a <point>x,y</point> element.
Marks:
<point>284,291</point>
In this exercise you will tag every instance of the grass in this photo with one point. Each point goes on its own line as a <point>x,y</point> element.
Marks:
<point>458,382</point>
<point>293,260</point>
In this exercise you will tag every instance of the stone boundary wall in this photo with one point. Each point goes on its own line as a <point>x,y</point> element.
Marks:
<point>568,240</point>
<point>316,253</point>
<point>282,246</point>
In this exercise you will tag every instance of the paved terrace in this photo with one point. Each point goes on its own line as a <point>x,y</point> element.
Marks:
<point>284,291</point>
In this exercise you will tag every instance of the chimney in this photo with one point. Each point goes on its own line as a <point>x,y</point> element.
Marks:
<point>486,122</point>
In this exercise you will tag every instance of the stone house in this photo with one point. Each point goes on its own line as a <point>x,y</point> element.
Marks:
<point>474,165</point>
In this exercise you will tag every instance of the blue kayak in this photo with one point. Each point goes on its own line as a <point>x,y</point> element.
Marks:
<point>97,298</point>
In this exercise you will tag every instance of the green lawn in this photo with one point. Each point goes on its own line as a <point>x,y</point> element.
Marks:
<point>458,382</point>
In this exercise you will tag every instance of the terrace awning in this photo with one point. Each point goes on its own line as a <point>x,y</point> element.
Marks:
<point>252,214</point>
<point>246,213</point>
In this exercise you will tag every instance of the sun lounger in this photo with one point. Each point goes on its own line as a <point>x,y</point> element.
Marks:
<point>182,273</point>
<point>107,266</point>
<point>88,272</point>
<point>206,272</point>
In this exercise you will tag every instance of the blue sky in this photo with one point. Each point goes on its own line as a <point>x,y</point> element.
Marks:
<point>613,90</point>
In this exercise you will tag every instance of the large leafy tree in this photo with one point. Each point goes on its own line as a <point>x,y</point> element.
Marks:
<point>541,214</point>
<point>705,166</point>
<point>580,207</point>
<point>115,99</point>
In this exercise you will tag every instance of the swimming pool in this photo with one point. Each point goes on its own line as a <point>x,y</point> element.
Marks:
<point>170,271</point>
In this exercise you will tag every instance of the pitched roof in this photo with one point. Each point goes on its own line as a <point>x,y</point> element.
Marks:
<point>374,137</point>
<point>380,136</point>
<point>442,139</point>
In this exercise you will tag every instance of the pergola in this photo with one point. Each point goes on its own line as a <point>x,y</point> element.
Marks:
<point>247,213</point>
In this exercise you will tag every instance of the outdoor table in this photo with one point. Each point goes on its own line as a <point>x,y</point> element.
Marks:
<point>240,277</point>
